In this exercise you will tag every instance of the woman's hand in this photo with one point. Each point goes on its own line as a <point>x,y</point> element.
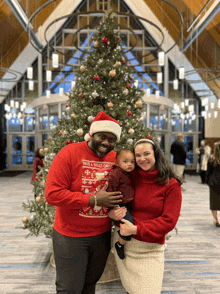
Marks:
<point>117,212</point>
<point>127,228</point>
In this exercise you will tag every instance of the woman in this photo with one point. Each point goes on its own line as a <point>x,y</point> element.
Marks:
<point>213,180</point>
<point>38,161</point>
<point>155,210</point>
<point>204,154</point>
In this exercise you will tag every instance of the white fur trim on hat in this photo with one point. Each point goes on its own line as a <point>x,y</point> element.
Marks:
<point>106,126</point>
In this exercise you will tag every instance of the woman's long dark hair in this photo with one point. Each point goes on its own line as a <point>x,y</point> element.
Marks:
<point>36,153</point>
<point>163,165</point>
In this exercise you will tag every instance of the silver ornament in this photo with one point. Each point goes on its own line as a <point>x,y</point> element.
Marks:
<point>130,141</point>
<point>90,118</point>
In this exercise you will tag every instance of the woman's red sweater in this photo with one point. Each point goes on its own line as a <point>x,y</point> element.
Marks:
<point>155,208</point>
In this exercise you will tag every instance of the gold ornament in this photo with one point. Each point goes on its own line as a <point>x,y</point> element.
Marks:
<point>96,44</point>
<point>82,68</point>
<point>110,105</point>
<point>117,63</point>
<point>25,219</point>
<point>39,199</point>
<point>80,132</point>
<point>112,73</point>
<point>46,150</point>
<point>131,131</point>
<point>125,91</point>
<point>139,103</point>
<point>73,115</point>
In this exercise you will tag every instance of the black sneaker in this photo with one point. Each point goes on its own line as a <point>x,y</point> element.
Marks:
<point>120,250</point>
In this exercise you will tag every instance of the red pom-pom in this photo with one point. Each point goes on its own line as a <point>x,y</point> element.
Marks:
<point>129,113</point>
<point>105,40</point>
<point>60,133</point>
<point>36,178</point>
<point>123,61</point>
<point>68,142</point>
<point>149,137</point>
<point>128,86</point>
<point>96,77</point>
<point>67,105</point>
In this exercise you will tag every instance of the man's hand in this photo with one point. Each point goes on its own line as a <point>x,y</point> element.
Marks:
<point>108,199</point>
<point>117,212</point>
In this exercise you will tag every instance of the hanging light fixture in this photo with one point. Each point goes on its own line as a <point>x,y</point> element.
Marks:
<point>61,91</point>
<point>182,105</point>
<point>157,94</point>
<point>215,114</point>
<point>193,116</point>
<point>218,103</point>
<point>191,108</point>
<point>16,104</point>
<point>55,60</point>
<point>24,104</point>
<point>205,101</point>
<point>48,75</point>
<point>203,113</point>
<point>175,84</point>
<point>30,72</point>
<point>187,115</point>
<point>31,85</point>
<point>12,103</point>
<point>159,77</point>
<point>181,73</point>
<point>161,58</point>
<point>148,92</point>
<point>206,107</point>
<point>136,83</point>
<point>186,102</point>
<point>48,94</point>
<point>209,114</point>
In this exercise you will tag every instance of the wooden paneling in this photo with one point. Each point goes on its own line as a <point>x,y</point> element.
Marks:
<point>211,142</point>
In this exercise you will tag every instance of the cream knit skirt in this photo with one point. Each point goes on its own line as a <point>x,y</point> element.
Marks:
<point>141,271</point>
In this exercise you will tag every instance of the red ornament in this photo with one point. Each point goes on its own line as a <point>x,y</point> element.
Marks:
<point>96,77</point>
<point>67,105</point>
<point>68,142</point>
<point>118,39</point>
<point>79,95</point>
<point>128,86</point>
<point>36,178</point>
<point>105,40</point>
<point>129,113</point>
<point>82,96</point>
<point>123,61</point>
<point>60,133</point>
<point>149,137</point>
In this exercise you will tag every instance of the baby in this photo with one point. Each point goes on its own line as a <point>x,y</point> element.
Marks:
<point>120,179</point>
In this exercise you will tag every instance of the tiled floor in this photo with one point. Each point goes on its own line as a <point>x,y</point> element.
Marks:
<point>192,258</point>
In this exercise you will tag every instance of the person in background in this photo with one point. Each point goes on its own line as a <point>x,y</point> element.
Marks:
<point>213,181</point>
<point>76,185</point>
<point>178,151</point>
<point>120,179</point>
<point>155,210</point>
<point>38,161</point>
<point>204,154</point>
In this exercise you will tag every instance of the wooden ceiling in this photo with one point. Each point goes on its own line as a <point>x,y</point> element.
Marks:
<point>203,53</point>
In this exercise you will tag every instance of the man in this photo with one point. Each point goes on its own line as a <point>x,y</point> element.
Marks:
<point>76,186</point>
<point>178,151</point>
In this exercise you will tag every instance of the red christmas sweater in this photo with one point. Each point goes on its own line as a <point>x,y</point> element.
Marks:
<point>75,174</point>
<point>155,208</point>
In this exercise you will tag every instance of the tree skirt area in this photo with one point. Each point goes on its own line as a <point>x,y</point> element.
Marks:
<point>11,173</point>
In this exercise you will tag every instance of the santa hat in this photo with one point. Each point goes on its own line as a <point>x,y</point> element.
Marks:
<point>104,123</point>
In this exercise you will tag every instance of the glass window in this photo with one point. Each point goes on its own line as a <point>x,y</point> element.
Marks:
<point>161,141</point>
<point>154,115</point>
<point>15,125</point>
<point>44,138</point>
<point>188,140</point>
<point>163,118</point>
<point>16,144</point>
<point>190,125</point>
<point>63,111</point>
<point>176,124</point>
<point>29,123</point>
<point>53,114</point>
<point>43,118</point>
<point>16,159</point>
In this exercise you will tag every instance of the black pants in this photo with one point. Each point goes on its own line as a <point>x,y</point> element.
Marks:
<point>203,176</point>
<point>80,262</point>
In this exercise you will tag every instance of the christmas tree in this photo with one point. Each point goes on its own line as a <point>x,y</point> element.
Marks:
<point>104,82</point>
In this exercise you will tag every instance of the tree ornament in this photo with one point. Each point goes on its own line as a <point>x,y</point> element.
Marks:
<point>73,88</point>
<point>39,199</point>
<point>96,77</point>
<point>96,44</point>
<point>141,118</point>
<point>48,139</point>
<point>25,219</point>
<point>80,132</point>
<point>65,132</point>
<point>68,142</point>
<point>123,61</point>
<point>90,118</point>
<point>52,155</point>
<point>94,94</point>
<point>118,48</point>
<point>100,60</point>
<point>43,183</point>
<point>54,128</point>
<point>68,109</point>
<point>46,150</point>
<point>128,86</point>
<point>32,218</point>
<point>125,91</point>
<point>130,141</point>
<point>67,106</point>
<point>129,113</point>
<point>139,103</point>
<point>110,105</point>
<point>82,68</point>
<point>117,63</point>
<point>149,137</point>
<point>112,73</point>
<point>118,39</point>
<point>73,115</point>
<point>104,40</point>
<point>131,131</point>
<point>60,133</point>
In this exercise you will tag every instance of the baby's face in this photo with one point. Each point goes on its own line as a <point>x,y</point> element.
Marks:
<point>126,161</point>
